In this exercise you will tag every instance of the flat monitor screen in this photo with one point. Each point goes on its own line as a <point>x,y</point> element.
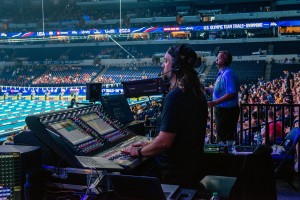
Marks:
<point>93,91</point>
<point>145,87</point>
<point>69,130</point>
<point>117,107</point>
<point>98,124</point>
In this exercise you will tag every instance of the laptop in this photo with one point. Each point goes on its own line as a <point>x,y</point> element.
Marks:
<point>142,188</point>
<point>98,163</point>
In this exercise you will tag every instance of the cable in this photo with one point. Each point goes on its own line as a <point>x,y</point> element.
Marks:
<point>122,47</point>
<point>66,192</point>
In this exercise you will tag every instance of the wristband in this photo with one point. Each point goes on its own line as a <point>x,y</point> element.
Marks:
<point>139,151</point>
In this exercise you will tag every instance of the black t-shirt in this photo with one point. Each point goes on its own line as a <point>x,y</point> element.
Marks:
<point>185,116</point>
<point>288,78</point>
<point>245,95</point>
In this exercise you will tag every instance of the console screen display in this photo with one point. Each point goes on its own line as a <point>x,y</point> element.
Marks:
<point>68,129</point>
<point>97,123</point>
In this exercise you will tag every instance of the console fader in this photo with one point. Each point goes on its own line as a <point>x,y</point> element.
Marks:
<point>114,154</point>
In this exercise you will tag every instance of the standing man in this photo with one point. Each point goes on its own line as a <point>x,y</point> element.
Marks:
<point>289,78</point>
<point>244,94</point>
<point>178,148</point>
<point>225,98</point>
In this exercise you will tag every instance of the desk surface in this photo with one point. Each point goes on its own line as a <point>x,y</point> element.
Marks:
<point>241,153</point>
<point>17,148</point>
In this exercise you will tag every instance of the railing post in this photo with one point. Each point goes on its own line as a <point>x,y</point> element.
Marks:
<point>211,125</point>
<point>241,125</point>
<point>267,130</point>
<point>250,128</point>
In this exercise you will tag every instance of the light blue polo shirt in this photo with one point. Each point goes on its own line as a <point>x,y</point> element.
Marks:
<point>227,83</point>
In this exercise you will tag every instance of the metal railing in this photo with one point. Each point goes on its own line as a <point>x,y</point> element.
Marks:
<point>246,136</point>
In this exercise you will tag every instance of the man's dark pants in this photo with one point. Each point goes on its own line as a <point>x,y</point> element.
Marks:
<point>226,122</point>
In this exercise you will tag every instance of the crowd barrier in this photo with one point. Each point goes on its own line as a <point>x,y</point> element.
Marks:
<point>283,113</point>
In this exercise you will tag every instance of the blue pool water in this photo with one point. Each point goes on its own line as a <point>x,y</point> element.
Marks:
<point>14,112</point>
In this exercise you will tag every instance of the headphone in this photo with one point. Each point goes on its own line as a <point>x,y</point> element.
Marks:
<point>228,59</point>
<point>177,61</point>
<point>183,56</point>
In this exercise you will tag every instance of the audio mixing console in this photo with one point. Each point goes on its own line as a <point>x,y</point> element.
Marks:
<point>85,131</point>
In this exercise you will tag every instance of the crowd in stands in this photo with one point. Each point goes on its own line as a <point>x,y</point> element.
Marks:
<point>60,75</point>
<point>42,75</point>
<point>20,75</point>
<point>146,111</point>
<point>277,91</point>
<point>268,119</point>
<point>67,75</point>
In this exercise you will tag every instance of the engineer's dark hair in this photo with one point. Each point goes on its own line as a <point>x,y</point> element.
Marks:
<point>187,76</point>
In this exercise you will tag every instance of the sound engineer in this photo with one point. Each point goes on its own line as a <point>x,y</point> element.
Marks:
<point>178,148</point>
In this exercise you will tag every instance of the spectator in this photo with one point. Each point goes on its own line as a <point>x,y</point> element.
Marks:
<point>289,79</point>
<point>275,129</point>
<point>278,100</point>
<point>245,94</point>
<point>9,141</point>
<point>270,96</point>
